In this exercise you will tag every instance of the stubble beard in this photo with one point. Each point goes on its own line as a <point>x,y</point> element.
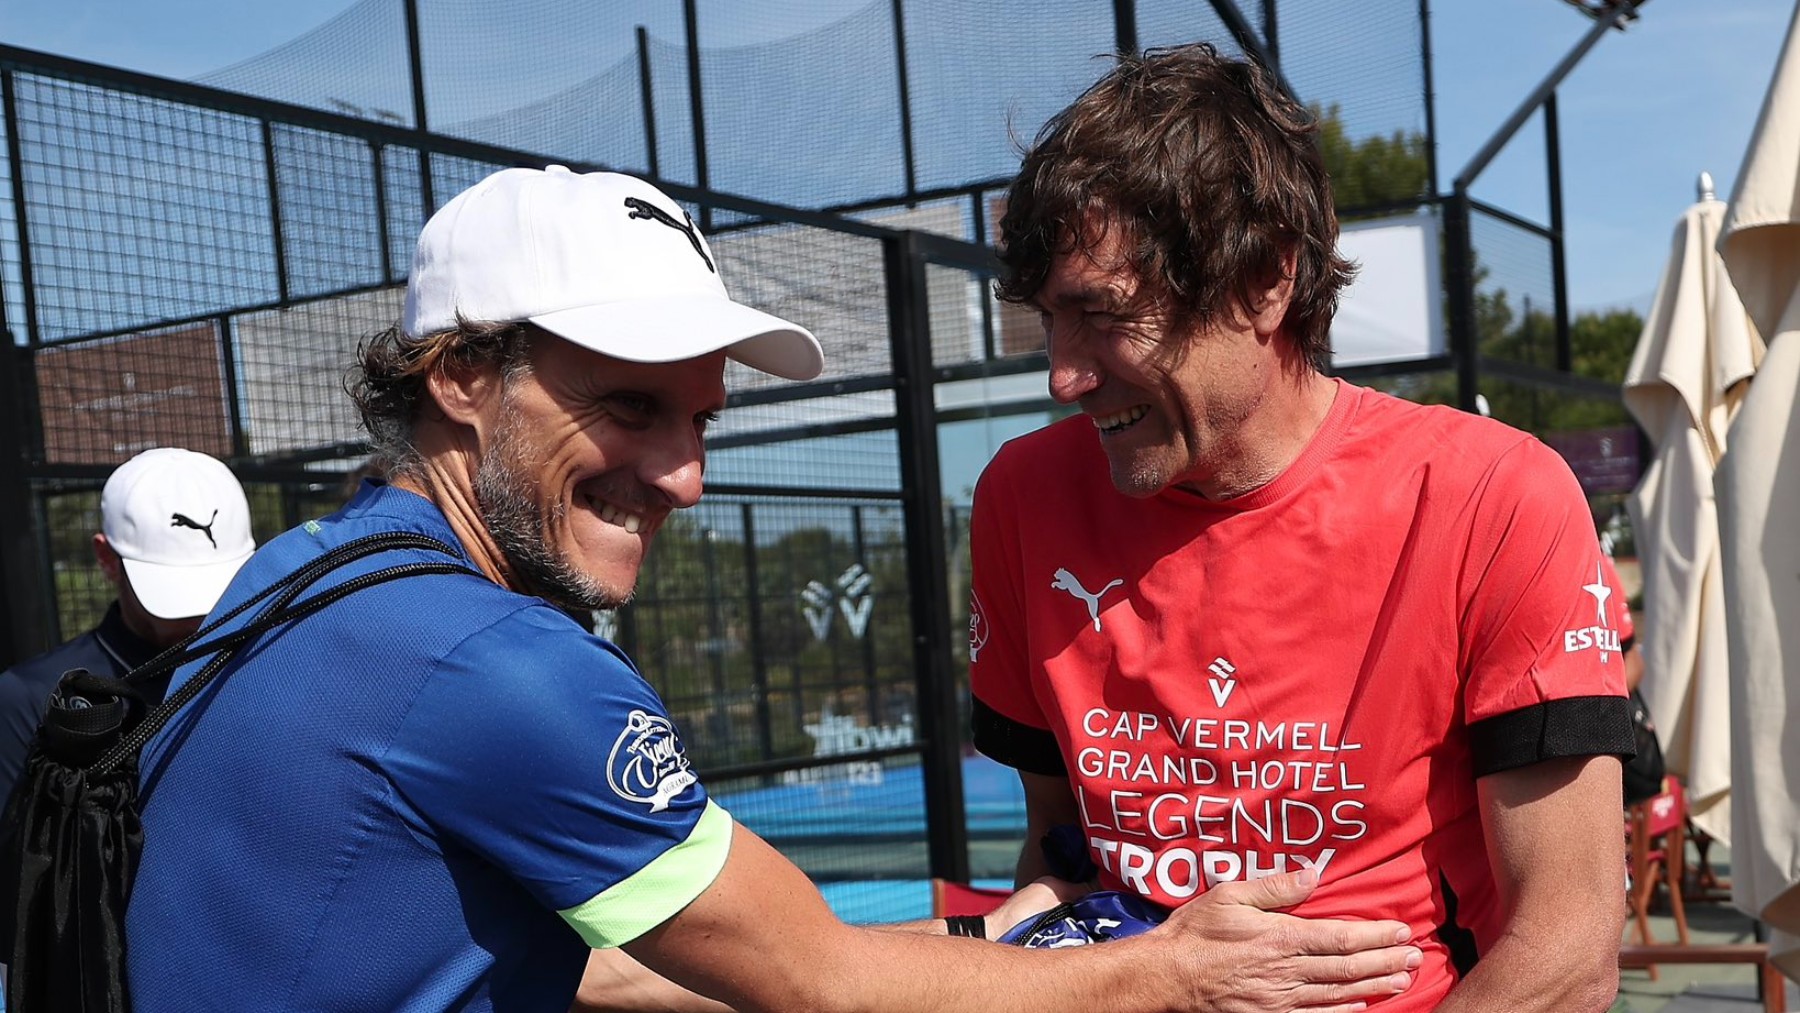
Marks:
<point>509,504</point>
<point>1137,475</point>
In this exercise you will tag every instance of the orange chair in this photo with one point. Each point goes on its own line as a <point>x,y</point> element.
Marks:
<point>949,898</point>
<point>1657,828</point>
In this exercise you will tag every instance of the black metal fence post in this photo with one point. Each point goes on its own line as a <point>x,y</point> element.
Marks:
<point>272,168</point>
<point>234,406</point>
<point>22,632</point>
<point>1271,34</point>
<point>1559,273</point>
<point>1431,138</point>
<point>415,56</point>
<point>15,158</point>
<point>759,665</point>
<point>384,242</point>
<point>864,642</point>
<point>718,717</point>
<point>906,124</point>
<point>697,107</point>
<point>1459,281</point>
<point>927,566</point>
<point>647,94</point>
<point>1125,30</point>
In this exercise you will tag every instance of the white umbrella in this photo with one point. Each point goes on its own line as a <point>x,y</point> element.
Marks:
<point>1758,486</point>
<point>1684,385</point>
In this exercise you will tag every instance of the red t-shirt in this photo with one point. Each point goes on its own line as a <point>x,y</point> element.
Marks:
<point>1314,673</point>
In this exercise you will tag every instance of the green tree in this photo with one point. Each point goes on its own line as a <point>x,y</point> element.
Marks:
<point>1600,348</point>
<point>1374,170</point>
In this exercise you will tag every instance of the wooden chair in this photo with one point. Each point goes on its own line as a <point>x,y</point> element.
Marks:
<point>1769,981</point>
<point>1657,829</point>
<point>1703,884</point>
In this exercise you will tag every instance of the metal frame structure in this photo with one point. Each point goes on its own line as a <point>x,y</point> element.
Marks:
<point>906,257</point>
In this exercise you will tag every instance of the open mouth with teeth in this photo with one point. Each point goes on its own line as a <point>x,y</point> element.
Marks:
<point>617,516</point>
<point>1118,422</point>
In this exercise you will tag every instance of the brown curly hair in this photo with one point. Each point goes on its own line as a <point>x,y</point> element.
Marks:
<point>1213,172</point>
<point>388,382</point>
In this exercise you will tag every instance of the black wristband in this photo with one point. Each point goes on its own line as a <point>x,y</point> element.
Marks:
<point>973,926</point>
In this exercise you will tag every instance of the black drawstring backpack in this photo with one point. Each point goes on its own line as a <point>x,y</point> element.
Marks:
<point>1643,772</point>
<point>71,834</point>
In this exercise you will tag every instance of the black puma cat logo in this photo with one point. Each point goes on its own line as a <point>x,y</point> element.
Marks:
<point>641,208</point>
<point>184,521</point>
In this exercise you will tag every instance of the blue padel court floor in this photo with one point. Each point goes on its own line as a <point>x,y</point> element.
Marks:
<point>859,830</point>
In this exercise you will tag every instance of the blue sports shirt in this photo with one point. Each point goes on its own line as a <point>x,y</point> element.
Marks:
<point>435,794</point>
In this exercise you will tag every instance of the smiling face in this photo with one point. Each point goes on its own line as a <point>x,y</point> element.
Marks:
<point>1170,400</point>
<point>584,457</point>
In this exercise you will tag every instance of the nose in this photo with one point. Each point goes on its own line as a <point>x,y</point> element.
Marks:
<point>677,470</point>
<point>1072,374</point>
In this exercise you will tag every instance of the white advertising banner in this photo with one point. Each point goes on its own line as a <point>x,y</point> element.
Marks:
<point>1393,311</point>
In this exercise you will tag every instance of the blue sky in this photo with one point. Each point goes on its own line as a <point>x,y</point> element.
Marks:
<point>1648,109</point>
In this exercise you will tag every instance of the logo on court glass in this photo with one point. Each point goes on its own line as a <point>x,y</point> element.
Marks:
<point>646,763</point>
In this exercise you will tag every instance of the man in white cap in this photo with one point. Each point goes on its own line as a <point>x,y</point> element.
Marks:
<point>441,793</point>
<point>174,528</point>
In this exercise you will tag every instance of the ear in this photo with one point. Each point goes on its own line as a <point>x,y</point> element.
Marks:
<point>465,396</point>
<point>111,566</point>
<point>1271,305</point>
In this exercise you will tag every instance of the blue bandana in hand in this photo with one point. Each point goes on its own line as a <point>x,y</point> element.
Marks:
<point>1096,918</point>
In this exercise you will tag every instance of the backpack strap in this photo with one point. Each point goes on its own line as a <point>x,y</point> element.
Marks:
<point>284,609</point>
<point>186,650</point>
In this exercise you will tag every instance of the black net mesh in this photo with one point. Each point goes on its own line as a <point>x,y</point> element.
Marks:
<point>355,64</point>
<point>985,76</point>
<point>1515,293</point>
<point>292,365</point>
<point>331,234</point>
<point>1363,59</point>
<point>406,211</point>
<point>140,209</point>
<point>801,103</point>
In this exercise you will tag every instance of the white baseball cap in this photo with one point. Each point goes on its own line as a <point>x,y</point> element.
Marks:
<point>601,259</point>
<point>180,522</point>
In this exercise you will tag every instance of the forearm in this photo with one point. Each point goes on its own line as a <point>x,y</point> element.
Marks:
<point>1554,837</point>
<point>938,974</point>
<point>615,983</point>
<point>1570,968</point>
<point>1030,900</point>
<point>760,938</point>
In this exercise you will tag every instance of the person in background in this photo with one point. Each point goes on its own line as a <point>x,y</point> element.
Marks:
<point>1240,616</point>
<point>174,528</point>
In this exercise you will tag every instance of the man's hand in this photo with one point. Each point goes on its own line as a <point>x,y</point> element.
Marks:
<point>1231,953</point>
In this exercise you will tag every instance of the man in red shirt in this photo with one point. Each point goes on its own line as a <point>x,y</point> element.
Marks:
<point>1304,624</point>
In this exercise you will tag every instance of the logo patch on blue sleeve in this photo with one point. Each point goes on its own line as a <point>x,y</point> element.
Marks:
<point>646,764</point>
